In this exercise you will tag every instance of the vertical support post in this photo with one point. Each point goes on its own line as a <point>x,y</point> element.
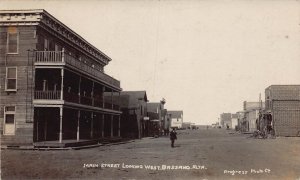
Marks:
<point>92,94</point>
<point>62,55</point>
<point>45,130</point>
<point>60,123</point>
<point>79,89</point>
<point>102,126</point>
<point>111,98</point>
<point>92,124</point>
<point>112,126</point>
<point>119,129</point>
<point>37,125</point>
<point>103,103</point>
<point>78,121</point>
<point>62,85</point>
<point>119,100</point>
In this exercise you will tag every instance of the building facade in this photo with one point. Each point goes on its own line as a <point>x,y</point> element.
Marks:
<point>52,82</point>
<point>176,119</point>
<point>155,111</point>
<point>225,120</point>
<point>251,118</point>
<point>251,111</point>
<point>234,121</point>
<point>186,125</point>
<point>134,121</point>
<point>282,112</point>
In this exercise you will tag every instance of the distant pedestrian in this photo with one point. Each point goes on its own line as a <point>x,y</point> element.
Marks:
<point>173,136</point>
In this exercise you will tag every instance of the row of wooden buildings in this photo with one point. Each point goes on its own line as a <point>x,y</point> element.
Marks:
<point>279,114</point>
<point>54,87</point>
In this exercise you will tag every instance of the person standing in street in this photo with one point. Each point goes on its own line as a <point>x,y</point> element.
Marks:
<point>173,136</point>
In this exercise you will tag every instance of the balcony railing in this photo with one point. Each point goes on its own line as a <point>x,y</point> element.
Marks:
<point>72,97</point>
<point>50,95</point>
<point>49,56</point>
<point>62,57</point>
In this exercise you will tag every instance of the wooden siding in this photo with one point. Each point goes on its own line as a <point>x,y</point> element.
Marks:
<point>30,38</point>
<point>286,116</point>
<point>22,97</point>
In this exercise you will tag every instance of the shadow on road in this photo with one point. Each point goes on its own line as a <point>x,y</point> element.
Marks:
<point>176,146</point>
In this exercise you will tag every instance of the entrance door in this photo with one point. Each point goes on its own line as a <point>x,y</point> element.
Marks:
<point>9,120</point>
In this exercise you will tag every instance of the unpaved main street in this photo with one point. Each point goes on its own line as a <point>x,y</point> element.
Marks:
<point>199,154</point>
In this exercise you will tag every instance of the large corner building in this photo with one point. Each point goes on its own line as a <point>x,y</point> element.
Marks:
<point>53,85</point>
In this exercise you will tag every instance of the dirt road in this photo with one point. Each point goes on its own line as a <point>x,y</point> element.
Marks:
<point>198,154</point>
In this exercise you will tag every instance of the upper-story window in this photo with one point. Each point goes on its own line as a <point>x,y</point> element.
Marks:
<point>58,47</point>
<point>51,45</point>
<point>12,40</point>
<point>11,79</point>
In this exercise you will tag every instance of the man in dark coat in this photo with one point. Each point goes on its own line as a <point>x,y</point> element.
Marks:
<point>173,136</point>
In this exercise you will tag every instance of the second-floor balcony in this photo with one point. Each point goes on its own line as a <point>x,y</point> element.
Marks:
<point>49,95</point>
<point>62,58</point>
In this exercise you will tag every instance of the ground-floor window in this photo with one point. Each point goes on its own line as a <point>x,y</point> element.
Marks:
<point>9,120</point>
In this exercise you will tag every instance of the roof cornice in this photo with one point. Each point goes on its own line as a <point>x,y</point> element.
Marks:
<point>40,16</point>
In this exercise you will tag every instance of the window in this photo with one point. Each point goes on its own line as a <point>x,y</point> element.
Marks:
<point>12,40</point>
<point>9,120</point>
<point>58,47</point>
<point>11,79</point>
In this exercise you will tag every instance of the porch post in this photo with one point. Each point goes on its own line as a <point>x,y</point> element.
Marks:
<point>62,55</point>
<point>103,103</point>
<point>119,129</point>
<point>45,130</point>
<point>119,100</point>
<point>112,126</point>
<point>60,123</point>
<point>37,125</point>
<point>79,89</point>
<point>62,85</point>
<point>102,126</point>
<point>111,98</point>
<point>92,94</point>
<point>78,118</point>
<point>92,125</point>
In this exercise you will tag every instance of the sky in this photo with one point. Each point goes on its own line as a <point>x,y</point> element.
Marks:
<point>204,57</point>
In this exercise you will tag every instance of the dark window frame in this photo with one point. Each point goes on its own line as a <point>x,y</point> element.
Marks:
<point>8,42</point>
<point>8,112</point>
<point>9,78</point>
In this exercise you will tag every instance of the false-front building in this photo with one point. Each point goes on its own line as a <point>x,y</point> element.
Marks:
<point>52,82</point>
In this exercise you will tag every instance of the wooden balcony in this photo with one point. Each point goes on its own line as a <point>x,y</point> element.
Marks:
<point>49,57</point>
<point>62,58</point>
<point>74,98</point>
<point>49,95</point>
